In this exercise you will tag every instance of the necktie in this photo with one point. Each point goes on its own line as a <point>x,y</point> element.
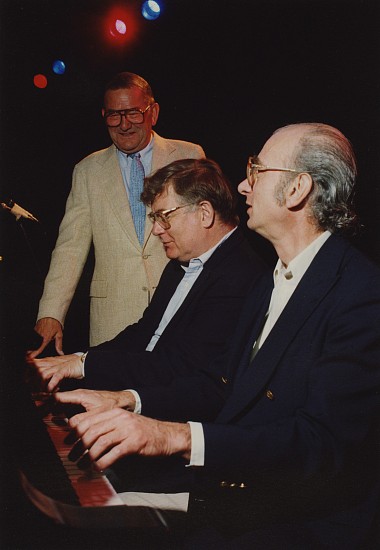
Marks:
<point>135,189</point>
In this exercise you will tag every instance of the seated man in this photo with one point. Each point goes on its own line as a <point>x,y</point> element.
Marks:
<point>194,309</point>
<point>292,460</point>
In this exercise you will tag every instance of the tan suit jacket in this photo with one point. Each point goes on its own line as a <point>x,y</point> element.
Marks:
<point>125,274</point>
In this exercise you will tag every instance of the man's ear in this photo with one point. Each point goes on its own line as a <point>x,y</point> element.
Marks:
<point>298,191</point>
<point>207,213</point>
<point>155,112</point>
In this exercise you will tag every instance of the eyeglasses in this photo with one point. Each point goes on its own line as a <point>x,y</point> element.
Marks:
<point>162,216</point>
<point>136,116</point>
<point>254,167</point>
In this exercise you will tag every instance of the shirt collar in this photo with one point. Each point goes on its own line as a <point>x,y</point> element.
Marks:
<point>202,259</point>
<point>298,266</point>
<point>143,153</point>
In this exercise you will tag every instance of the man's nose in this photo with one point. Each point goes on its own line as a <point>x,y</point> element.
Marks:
<point>124,124</point>
<point>244,187</point>
<point>157,229</point>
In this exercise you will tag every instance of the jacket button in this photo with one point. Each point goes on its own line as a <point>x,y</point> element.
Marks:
<point>223,484</point>
<point>224,380</point>
<point>145,256</point>
<point>269,395</point>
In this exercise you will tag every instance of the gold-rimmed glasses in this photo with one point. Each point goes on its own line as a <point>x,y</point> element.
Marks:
<point>254,167</point>
<point>162,216</point>
<point>135,116</point>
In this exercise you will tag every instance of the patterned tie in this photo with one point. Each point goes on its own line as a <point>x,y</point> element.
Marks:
<point>137,175</point>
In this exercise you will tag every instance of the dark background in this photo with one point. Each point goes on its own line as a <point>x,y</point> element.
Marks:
<point>226,74</point>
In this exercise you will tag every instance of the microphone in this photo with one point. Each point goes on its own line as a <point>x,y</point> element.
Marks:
<point>17,210</point>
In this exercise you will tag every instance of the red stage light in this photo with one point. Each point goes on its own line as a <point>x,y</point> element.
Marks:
<point>40,81</point>
<point>120,25</point>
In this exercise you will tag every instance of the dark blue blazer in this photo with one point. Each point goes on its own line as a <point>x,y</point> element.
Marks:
<point>199,331</point>
<point>296,443</point>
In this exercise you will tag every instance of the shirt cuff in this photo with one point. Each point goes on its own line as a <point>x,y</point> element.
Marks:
<point>197,457</point>
<point>82,358</point>
<point>138,405</point>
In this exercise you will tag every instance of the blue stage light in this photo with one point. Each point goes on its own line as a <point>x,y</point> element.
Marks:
<point>59,67</point>
<point>150,10</point>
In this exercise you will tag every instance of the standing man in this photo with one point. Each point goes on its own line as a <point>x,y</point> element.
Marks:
<point>292,460</point>
<point>104,208</point>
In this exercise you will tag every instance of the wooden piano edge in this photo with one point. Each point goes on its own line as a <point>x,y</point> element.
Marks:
<point>117,516</point>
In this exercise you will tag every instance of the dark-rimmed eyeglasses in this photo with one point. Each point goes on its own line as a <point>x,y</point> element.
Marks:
<point>162,216</point>
<point>135,116</point>
<point>254,167</point>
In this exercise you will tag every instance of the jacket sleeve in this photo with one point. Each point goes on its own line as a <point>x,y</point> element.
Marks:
<point>70,253</point>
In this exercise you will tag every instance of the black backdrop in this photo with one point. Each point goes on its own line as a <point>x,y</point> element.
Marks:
<point>226,74</point>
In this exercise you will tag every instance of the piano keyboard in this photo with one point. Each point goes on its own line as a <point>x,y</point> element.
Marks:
<point>91,487</point>
<point>65,493</point>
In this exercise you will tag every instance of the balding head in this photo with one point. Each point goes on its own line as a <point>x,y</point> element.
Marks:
<point>327,155</point>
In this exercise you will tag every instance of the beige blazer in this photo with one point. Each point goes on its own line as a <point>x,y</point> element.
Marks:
<point>125,274</point>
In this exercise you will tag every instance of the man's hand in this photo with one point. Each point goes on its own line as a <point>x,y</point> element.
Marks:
<point>50,329</point>
<point>93,399</point>
<point>112,434</point>
<point>52,370</point>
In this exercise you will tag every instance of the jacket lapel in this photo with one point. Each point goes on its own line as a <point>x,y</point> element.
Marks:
<point>116,195</point>
<point>160,157</point>
<point>162,151</point>
<point>251,378</point>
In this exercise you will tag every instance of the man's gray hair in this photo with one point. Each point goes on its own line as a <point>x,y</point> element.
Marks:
<point>127,80</point>
<point>327,155</point>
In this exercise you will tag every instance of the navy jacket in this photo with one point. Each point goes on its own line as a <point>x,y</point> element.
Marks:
<point>296,444</point>
<point>199,331</point>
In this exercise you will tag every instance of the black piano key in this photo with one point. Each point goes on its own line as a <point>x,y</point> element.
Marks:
<point>77,451</point>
